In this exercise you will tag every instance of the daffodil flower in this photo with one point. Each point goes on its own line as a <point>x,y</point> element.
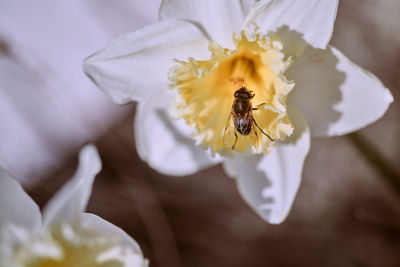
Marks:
<point>193,61</point>
<point>65,235</point>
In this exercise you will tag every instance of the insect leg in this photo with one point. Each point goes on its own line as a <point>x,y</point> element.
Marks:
<point>258,106</point>
<point>255,123</point>
<point>236,138</point>
<point>256,134</point>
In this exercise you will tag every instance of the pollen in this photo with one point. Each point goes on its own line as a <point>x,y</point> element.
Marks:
<point>205,94</point>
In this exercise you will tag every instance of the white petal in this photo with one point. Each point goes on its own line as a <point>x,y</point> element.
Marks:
<point>335,95</point>
<point>296,21</point>
<point>135,65</point>
<point>131,255</point>
<point>16,207</point>
<point>48,107</point>
<point>165,144</point>
<point>269,183</point>
<point>219,18</point>
<point>72,199</point>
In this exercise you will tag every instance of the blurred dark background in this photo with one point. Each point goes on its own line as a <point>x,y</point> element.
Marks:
<point>347,212</point>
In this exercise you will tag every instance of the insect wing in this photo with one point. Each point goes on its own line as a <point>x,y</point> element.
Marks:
<point>229,134</point>
<point>253,137</point>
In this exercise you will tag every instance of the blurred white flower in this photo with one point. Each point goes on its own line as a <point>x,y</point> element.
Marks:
<point>65,235</point>
<point>48,108</point>
<point>279,50</point>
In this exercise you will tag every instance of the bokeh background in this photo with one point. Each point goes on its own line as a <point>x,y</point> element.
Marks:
<point>347,212</point>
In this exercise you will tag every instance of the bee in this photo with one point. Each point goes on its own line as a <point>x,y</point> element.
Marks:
<point>241,119</point>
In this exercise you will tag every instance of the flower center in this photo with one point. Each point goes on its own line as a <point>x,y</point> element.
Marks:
<point>226,121</point>
<point>70,245</point>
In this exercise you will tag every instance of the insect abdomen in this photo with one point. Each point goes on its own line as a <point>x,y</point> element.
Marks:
<point>243,126</point>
